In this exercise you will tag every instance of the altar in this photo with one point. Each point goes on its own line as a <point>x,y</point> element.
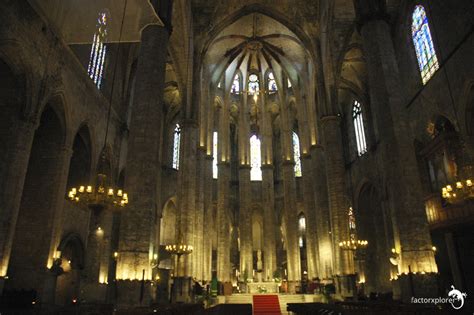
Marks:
<point>262,287</point>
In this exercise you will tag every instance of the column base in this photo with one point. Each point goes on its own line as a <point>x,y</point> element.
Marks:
<point>2,285</point>
<point>293,285</point>
<point>412,285</point>
<point>182,290</point>
<point>345,285</point>
<point>94,292</point>
<point>134,293</point>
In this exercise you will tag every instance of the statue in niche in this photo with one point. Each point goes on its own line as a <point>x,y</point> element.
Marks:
<point>259,265</point>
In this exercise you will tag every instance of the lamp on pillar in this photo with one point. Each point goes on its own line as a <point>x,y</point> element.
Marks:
<point>103,194</point>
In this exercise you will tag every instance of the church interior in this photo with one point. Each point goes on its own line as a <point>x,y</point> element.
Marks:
<point>237,157</point>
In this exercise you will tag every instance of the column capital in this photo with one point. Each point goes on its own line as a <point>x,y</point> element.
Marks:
<point>328,118</point>
<point>244,167</point>
<point>163,9</point>
<point>288,162</point>
<point>370,10</point>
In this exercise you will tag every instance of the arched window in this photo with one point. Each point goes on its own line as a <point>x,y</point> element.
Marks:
<point>253,85</point>
<point>359,128</point>
<point>176,143</point>
<point>98,51</point>
<point>297,154</point>
<point>425,52</point>
<point>272,86</point>
<point>255,159</point>
<point>301,230</point>
<point>236,85</point>
<point>289,83</point>
<point>214,155</point>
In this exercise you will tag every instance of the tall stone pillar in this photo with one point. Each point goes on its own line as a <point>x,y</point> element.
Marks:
<point>11,184</point>
<point>245,222</point>
<point>322,213</point>
<point>98,256</point>
<point>199,237</point>
<point>209,219</point>
<point>291,220</point>
<point>269,221</point>
<point>137,224</point>
<point>188,231</point>
<point>222,223</point>
<point>395,143</point>
<point>310,213</point>
<point>338,203</point>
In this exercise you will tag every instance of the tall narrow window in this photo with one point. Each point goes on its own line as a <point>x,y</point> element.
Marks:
<point>214,155</point>
<point>272,86</point>
<point>235,85</point>
<point>253,85</point>
<point>98,51</point>
<point>176,143</point>
<point>297,154</point>
<point>289,83</point>
<point>423,42</point>
<point>359,128</point>
<point>255,159</point>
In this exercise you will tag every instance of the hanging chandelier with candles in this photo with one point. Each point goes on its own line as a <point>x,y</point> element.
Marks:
<point>103,195</point>
<point>353,244</point>
<point>462,189</point>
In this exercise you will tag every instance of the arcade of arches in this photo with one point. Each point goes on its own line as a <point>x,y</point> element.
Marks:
<point>270,136</point>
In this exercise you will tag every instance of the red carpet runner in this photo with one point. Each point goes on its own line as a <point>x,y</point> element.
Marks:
<point>266,305</point>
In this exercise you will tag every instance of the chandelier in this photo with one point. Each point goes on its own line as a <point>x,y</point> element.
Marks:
<point>102,195</point>
<point>461,190</point>
<point>353,244</point>
<point>179,249</point>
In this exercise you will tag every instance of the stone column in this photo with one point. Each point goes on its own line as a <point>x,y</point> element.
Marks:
<point>322,212</point>
<point>209,219</point>
<point>291,220</point>
<point>199,236</point>
<point>338,204</point>
<point>222,222</point>
<point>187,232</point>
<point>310,213</point>
<point>396,152</point>
<point>245,222</point>
<point>269,221</point>
<point>98,255</point>
<point>137,228</point>
<point>11,183</point>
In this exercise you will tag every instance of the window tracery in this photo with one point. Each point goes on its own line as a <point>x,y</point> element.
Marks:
<point>255,159</point>
<point>176,144</point>
<point>423,42</point>
<point>98,51</point>
<point>359,130</point>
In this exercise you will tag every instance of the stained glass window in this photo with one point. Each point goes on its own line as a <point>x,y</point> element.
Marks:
<point>359,128</point>
<point>176,143</point>
<point>352,224</point>
<point>255,159</point>
<point>98,51</point>
<point>302,224</point>
<point>289,83</point>
<point>254,85</point>
<point>297,154</point>
<point>272,86</point>
<point>214,155</point>
<point>236,85</point>
<point>423,42</point>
